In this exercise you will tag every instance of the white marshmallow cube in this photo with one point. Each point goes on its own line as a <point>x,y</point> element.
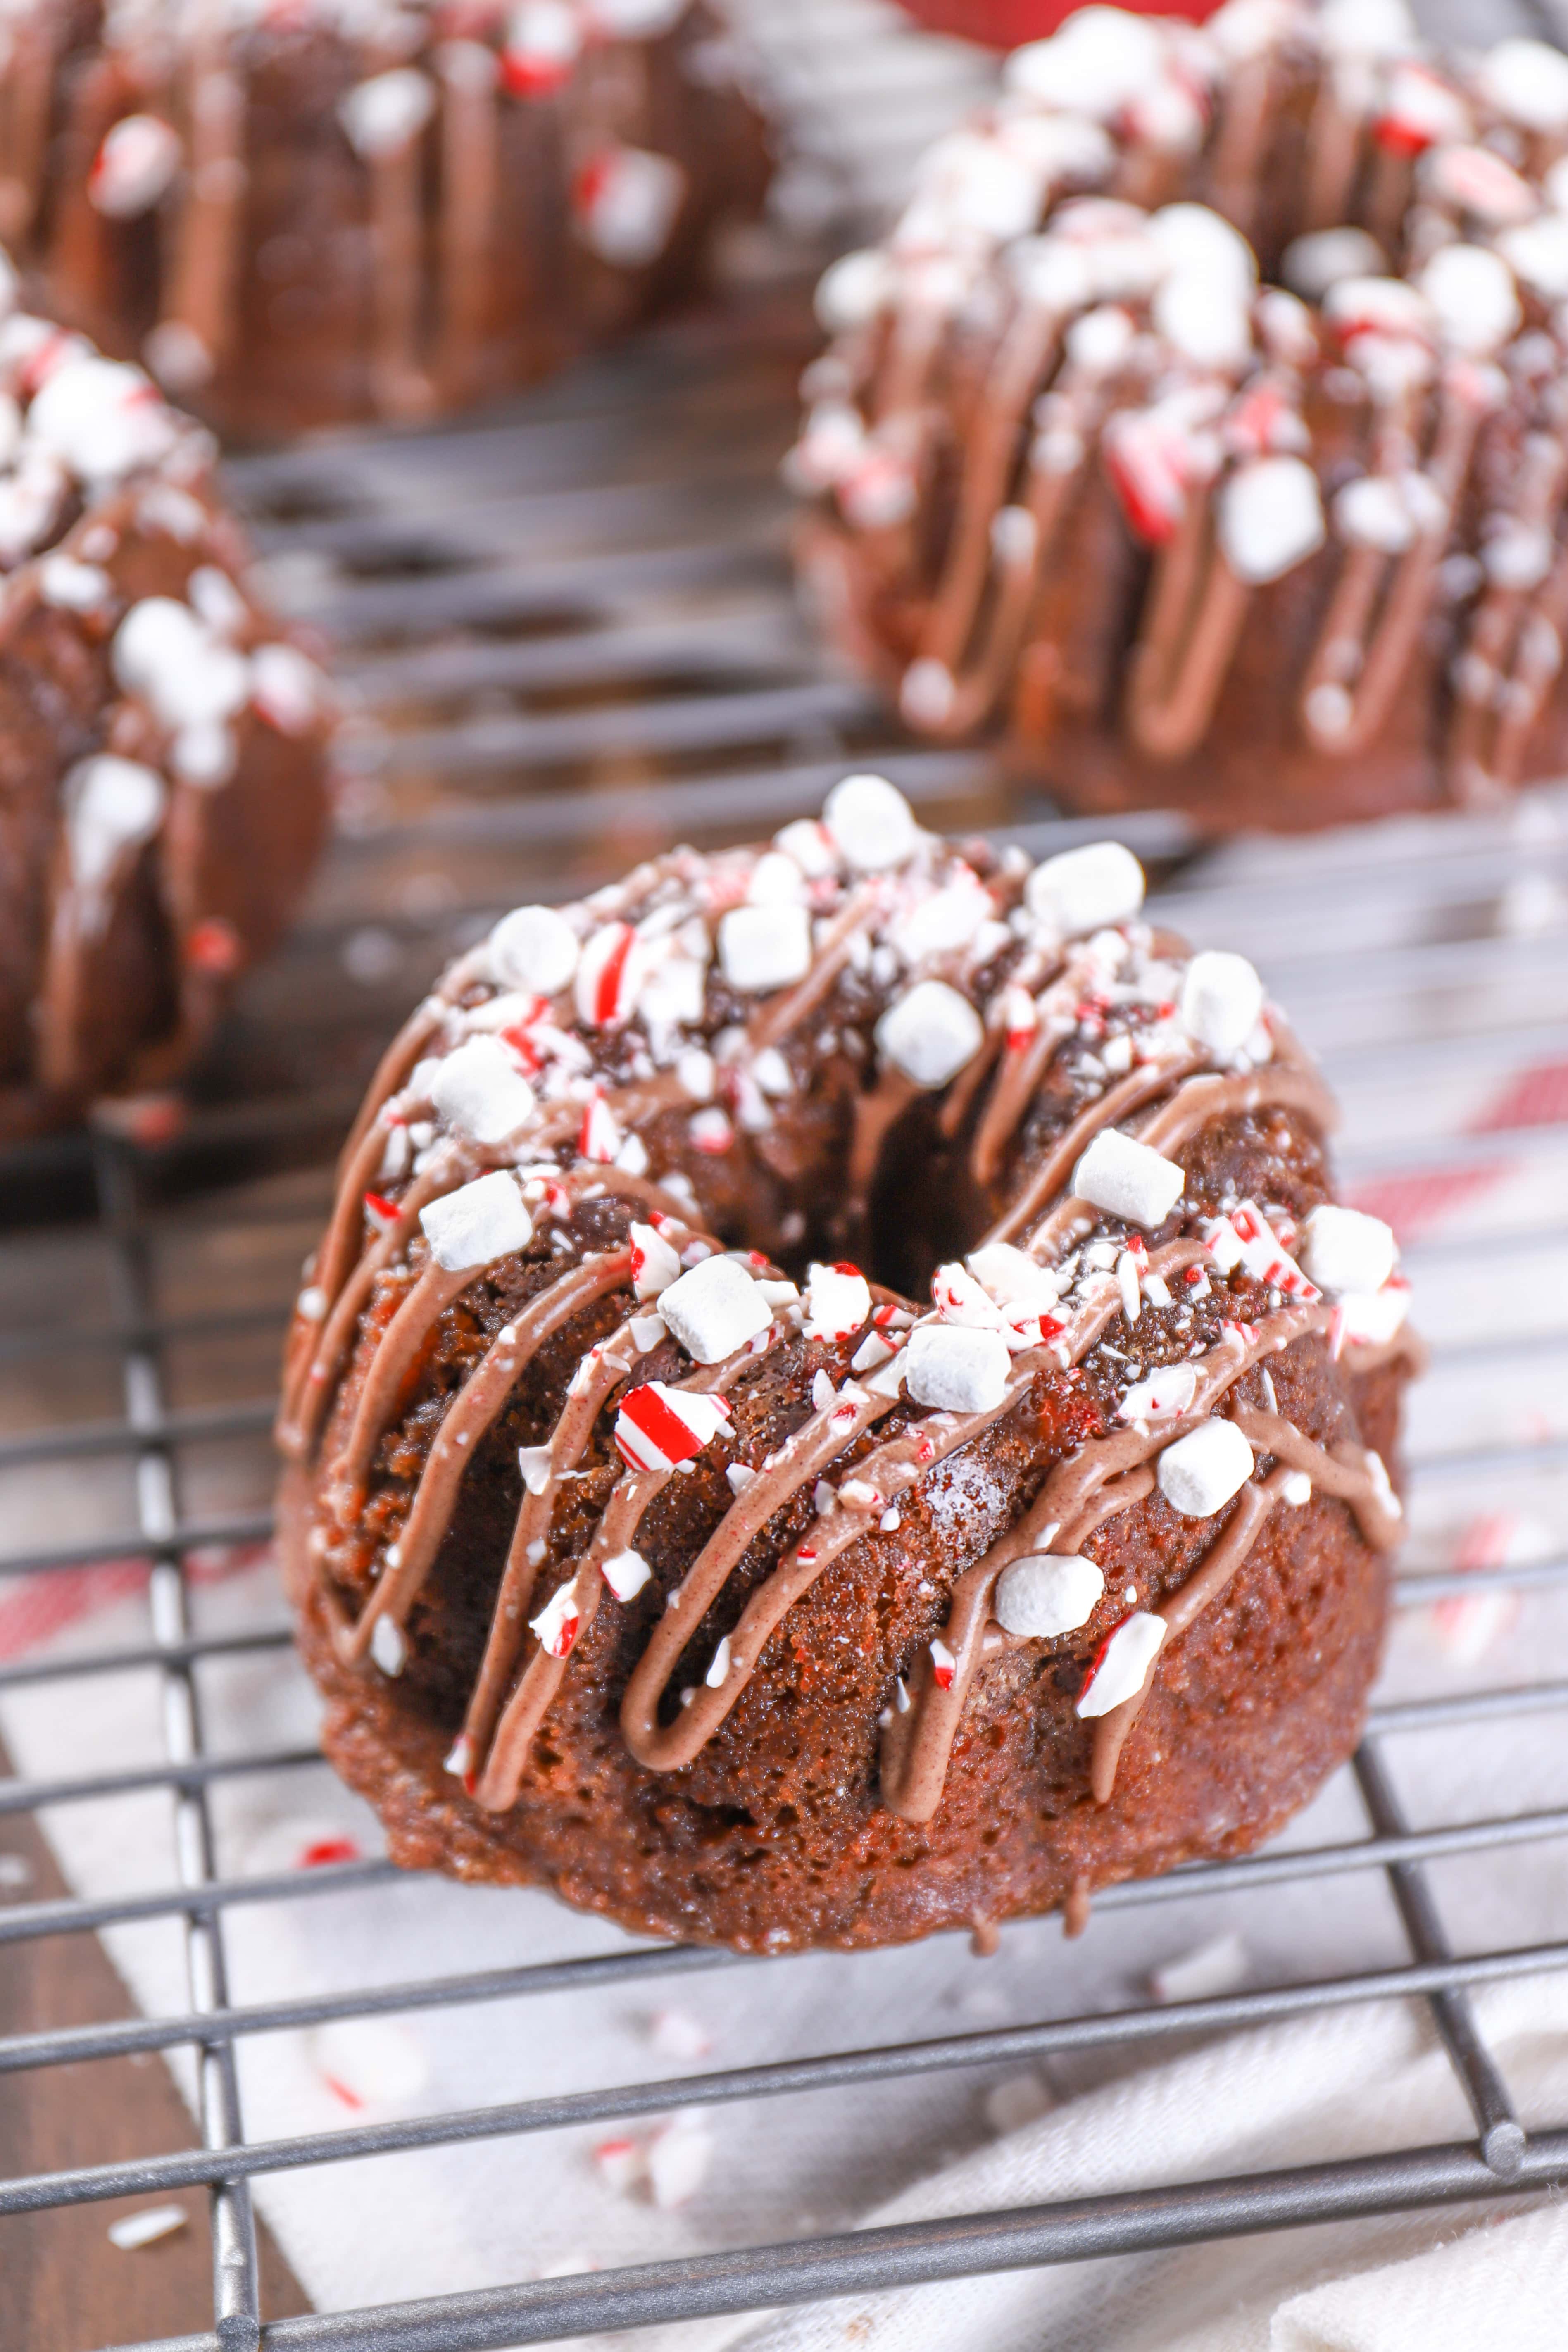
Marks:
<point>534,948</point>
<point>955,1368</point>
<point>929,1033</point>
<point>1344,1249</point>
<point>715,1310</point>
<point>1127,1180</point>
<point>1221,998</point>
<point>1201,1472</point>
<point>872,824</point>
<point>764,947</point>
<point>477,1223</point>
<point>1047,1593</point>
<point>1086,889</point>
<point>481,1092</point>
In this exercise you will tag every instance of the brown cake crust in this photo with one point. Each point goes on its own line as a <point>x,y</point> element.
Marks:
<point>790,1768</point>
<point>1092,483</point>
<point>312,222</point>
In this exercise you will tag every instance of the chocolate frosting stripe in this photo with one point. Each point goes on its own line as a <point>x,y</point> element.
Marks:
<point>480,1403</point>
<point>1192,625</point>
<point>526,1710</point>
<point>804,1456</point>
<point>921,1742</point>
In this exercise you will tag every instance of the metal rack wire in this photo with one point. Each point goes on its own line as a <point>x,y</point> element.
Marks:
<point>514,711</point>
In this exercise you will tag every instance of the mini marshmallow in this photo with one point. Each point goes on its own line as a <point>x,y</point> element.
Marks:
<point>853,289</point>
<point>112,805</point>
<point>655,1264</point>
<point>872,824</point>
<point>1086,889</point>
<point>1342,1249</point>
<point>809,843</point>
<point>1316,262</point>
<point>714,1309</point>
<point>929,1033</point>
<point>1123,1665</point>
<point>1221,998</point>
<point>382,115</point>
<point>1528,80</point>
<point>1128,1179</point>
<point>135,166</point>
<point>534,948</point>
<point>481,1093</point>
<point>765,948</point>
<point>955,1368</point>
<point>477,1223</point>
<point>1163,1396</point>
<point>1269,517</point>
<point>1047,1594</point>
<point>837,1301</point>
<point>1201,1472</point>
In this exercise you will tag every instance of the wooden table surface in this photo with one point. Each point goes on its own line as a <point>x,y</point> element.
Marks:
<point>63,2286</point>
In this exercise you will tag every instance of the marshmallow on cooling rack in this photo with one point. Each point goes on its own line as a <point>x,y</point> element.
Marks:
<point>1344,1249</point>
<point>872,824</point>
<point>477,1223</point>
<point>534,948</point>
<point>1128,1179</point>
<point>1201,1472</point>
<point>1086,889</point>
<point>715,1310</point>
<point>766,946</point>
<point>929,1033</point>
<point>1046,1594</point>
<point>481,1092</point>
<point>955,1368</point>
<point>1221,998</point>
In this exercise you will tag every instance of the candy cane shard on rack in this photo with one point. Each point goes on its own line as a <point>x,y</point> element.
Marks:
<point>1020,1312</point>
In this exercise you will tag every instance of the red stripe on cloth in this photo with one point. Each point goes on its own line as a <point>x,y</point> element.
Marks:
<point>1533,1098</point>
<point>34,1609</point>
<point>1415,1204</point>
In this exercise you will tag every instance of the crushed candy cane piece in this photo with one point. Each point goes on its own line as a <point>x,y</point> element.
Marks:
<point>1123,1664</point>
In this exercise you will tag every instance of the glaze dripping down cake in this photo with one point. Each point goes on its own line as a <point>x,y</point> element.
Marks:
<point>306,215</point>
<point>1200,427</point>
<point>164,743</point>
<point>1030,1535</point>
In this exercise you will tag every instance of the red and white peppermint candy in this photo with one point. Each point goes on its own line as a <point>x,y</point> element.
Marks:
<point>543,38</point>
<point>558,1622</point>
<point>380,1212</point>
<point>599,1137</point>
<point>1474,179</point>
<point>625,201</point>
<point>1246,1239</point>
<point>1151,463</point>
<point>625,1573</point>
<point>943,1665</point>
<point>658,1427</point>
<point>609,974</point>
<point>1421,111</point>
<point>1122,1663</point>
<point>655,1264</point>
<point>1162,1397</point>
<point>837,1301</point>
<point>138,159</point>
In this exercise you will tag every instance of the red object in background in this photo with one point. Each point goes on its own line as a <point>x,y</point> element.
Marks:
<point>1007,24</point>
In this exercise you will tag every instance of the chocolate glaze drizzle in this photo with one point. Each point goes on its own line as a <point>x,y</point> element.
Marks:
<point>1177,1091</point>
<point>1402,429</point>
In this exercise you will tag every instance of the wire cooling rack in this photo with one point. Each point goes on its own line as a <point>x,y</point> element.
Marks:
<point>567,634</point>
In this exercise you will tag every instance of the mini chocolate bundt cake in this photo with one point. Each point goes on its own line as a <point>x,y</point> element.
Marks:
<point>1007,24</point>
<point>774,1615</point>
<point>164,746</point>
<point>305,215</point>
<point>1201,426</point>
